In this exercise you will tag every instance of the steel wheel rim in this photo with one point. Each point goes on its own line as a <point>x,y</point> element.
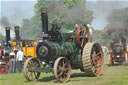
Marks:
<point>62,69</point>
<point>29,67</point>
<point>97,59</point>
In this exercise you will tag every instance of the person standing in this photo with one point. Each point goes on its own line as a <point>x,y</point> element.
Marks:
<point>12,61</point>
<point>19,59</point>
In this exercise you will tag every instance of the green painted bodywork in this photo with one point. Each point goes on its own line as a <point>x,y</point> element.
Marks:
<point>69,48</point>
<point>66,48</point>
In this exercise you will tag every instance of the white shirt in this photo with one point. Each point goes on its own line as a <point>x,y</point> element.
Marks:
<point>19,56</point>
<point>12,55</point>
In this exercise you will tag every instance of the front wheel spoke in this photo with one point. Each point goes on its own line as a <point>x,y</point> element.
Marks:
<point>61,77</point>
<point>66,64</point>
<point>32,75</point>
<point>60,73</point>
<point>65,73</point>
<point>35,64</point>
<point>31,63</point>
<point>60,68</point>
<point>29,75</point>
<point>27,71</point>
<point>63,64</point>
<point>35,74</point>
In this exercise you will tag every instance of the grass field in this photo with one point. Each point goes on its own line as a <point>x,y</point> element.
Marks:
<point>114,75</point>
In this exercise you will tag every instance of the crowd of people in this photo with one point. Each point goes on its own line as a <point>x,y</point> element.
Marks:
<point>15,59</point>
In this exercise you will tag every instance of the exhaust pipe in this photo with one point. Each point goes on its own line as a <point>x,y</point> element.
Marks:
<point>44,18</point>
<point>17,35</point>
<point>7,29</point>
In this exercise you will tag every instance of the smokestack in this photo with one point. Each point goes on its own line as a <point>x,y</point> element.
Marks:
<point>17,34</point>
<point>117,36</point>
<point>44,17</point>
<point>7,29</point>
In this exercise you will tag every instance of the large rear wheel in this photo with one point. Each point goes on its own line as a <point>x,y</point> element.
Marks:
<point>92,59</point>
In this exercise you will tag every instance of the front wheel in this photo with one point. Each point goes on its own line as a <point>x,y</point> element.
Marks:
<point>62,69</point>
<point>30,65</point>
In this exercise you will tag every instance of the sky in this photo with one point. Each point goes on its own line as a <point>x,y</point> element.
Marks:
<point>102,8</point>
<point>16,10</point>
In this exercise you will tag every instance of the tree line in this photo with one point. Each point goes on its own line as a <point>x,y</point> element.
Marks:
<point>67,13</point>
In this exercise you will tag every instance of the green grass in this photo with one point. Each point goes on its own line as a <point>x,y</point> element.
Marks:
<point>114,75</point>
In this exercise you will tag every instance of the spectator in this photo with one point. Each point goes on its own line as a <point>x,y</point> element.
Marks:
<point>19,59</point>
<point>12,60</point>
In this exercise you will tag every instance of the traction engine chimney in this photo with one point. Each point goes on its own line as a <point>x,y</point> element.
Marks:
<point>7,29</point>
<point>17,34</point>
<point>44,17</point>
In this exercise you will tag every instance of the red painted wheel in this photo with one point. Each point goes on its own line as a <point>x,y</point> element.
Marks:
<point>3,70</point>
<point>62,69</point>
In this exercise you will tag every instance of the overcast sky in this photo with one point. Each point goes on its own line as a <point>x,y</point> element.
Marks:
<point>16,10</point>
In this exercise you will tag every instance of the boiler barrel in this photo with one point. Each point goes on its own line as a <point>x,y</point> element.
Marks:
<point>52,50</point>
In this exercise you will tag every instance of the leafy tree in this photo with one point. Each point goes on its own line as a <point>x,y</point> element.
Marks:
<point>1,37</point>
<point>4,21</point>
<point>72,3</point>
<point>101,37</point>
<point>26,28</point>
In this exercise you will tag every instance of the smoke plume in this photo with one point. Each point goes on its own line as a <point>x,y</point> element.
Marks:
<point>102,9</point>
<point>70,15</point>
<point>118,19</point>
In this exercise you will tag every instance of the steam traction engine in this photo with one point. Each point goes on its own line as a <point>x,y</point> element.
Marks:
<point>4,53</point>
<point>61,52</point>
<point>5,49</point>
<point>118,51</point>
